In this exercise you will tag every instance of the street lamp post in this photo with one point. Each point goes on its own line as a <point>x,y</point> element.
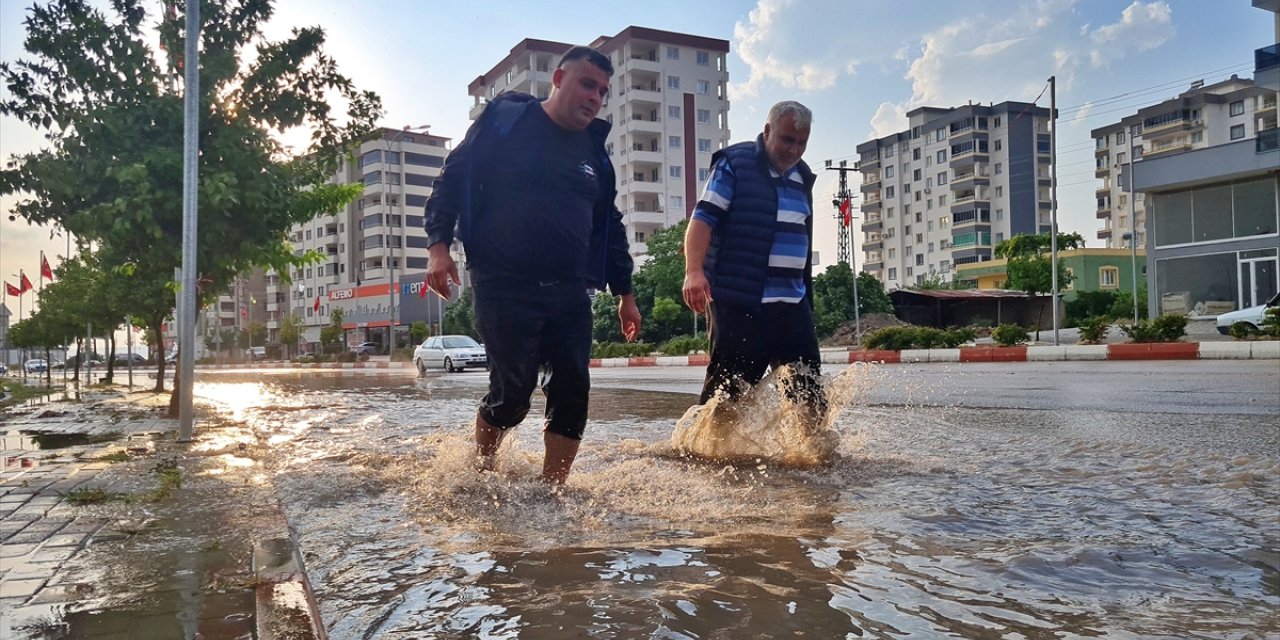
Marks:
<point>391,249</point>
<point>1132,239</point>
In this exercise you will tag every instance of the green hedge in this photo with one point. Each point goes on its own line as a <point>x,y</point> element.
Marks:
<point>1009,335</point>
<point>899,338</point>
<point>1094,330</point>
<point>1165,328</point>
<point>620,349</point>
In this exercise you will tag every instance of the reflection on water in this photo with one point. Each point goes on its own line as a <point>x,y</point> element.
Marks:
<point>930,522</point>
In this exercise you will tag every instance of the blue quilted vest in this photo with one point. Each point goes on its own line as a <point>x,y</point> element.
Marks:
<point>738,260</point>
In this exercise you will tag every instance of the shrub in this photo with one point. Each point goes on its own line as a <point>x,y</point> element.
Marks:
<point>1165,328</point>
<point>1009,335</point>
<point>1088,305</point>
<point>1242,331</point>
<point>890,338</point>
<point>346,356</point>
<point>620,349</point>
<point>684,345</point>
<point>1271,322</point>
<point>1094,330</point>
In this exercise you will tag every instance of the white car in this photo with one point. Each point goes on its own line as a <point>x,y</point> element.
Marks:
<point>1251,316</point>
<point>451,353</point>
<point>36,365</point>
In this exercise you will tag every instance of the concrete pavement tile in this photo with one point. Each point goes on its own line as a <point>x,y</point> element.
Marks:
<point>20,588</point>
<point>28,537</point>
<point>69,592</point>
<point>85,525</point>
<point>67,540</point>
<point>49,524</point>
<point>10,551</point>
<point>53,555</point>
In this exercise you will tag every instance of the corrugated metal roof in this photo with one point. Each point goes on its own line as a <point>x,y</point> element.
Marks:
<point>961,294</point>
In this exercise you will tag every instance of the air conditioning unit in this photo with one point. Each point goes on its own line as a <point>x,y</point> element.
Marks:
<point>928,190</point>
<point>1198,123</point>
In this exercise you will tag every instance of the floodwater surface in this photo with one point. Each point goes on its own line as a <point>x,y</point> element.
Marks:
<point>925,522</point>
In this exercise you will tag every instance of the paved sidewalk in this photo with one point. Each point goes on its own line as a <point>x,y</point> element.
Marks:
<point>109,528</point>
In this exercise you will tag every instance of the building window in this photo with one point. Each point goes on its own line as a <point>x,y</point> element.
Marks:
<point>915,175</point>
<point>888,193</point>
<point>1120,158</point>
<point>942,155</point>
<point>893,273</point>
<point>703,174</point>
<point>915,153</point>
<point>1109,278</point>
<point>893,253</point>
<point>888,212</point>
<point>704,116</point>
<point>704,145</point>
<point>1197,136</point>
<point>999,168</point>
<point>919,259</point>
<point>1119,137</point>
<point>703,87</point>
<point>999,214</point>
<point>673,112</point>
<point>677,203</point>
<point>997,122</point>
<point>888,151</point>
<point>673,142</point>
<point>888,171</point>
<point>673,82</point>
<point>999,145</point>
<point>673,171</point>
<point>999,191</point>
<point>1237,132</point>
<point>942,178</point>
<point>1237,108</point>
<point>639,237</point>
<point>704,59</point>
<point>673,53</point>
<point>942,135</point>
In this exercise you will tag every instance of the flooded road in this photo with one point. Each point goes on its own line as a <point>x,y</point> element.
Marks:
<point>932,521</point>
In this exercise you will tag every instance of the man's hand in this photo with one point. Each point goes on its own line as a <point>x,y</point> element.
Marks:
<point>629,317</point>
<point>441,269</point>
<point>697,291</point>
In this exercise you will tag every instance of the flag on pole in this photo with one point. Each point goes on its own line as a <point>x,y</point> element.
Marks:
<point>315,308</point>
<point>12,290</point>
<point>24,283</point>
<point>845,210</point>
<point>45,270</point>
<point>422,293</point>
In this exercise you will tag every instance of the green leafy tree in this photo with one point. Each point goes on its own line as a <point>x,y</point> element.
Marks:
<point>418,331</point>
<point>662,276</point>
<point>81,295</point>
<point>331,334</point>
<point>1029,267</point>
<point>604,319</point>
<point>460,317</point>
<point>290,332</point>
<point>833,297</point>
<point>113,116</point>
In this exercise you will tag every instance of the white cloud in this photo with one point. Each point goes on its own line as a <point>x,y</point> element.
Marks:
<point>889,118</point>
<point>1142,27</point>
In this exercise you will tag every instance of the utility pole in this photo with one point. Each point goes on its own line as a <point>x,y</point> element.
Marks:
<point>844,242</point>
<point>190,166</point>
<point>1053,196</point>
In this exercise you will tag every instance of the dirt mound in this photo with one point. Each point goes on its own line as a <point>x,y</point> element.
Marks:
<point>845,335</point>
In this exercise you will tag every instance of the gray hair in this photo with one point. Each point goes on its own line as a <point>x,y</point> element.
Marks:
<point>803,116</point>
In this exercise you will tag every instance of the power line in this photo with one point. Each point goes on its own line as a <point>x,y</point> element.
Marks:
<point>1155,88</point>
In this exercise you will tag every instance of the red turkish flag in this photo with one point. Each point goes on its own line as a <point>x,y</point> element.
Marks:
<point>422,292</point>
<point>45,270</point>
<point>25,283</point>
<point>12,290</point>
<point>846,207</point>
<point>315,308</point>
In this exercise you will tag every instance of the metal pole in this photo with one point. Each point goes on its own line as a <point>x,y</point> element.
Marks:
<point>1053,195</point>
<point>190,193</point>
<point>1133,240</point>
<point>129,332</point>
<point>391,253</point>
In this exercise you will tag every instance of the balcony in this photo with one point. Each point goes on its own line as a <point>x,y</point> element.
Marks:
<point>871,267</point>
<point>640,154</point>
<point>870,204</point>
<point>873,225</point>
<point>643,93</point>
<point>1171,127</point>
<point>642,63</point>
<point>873,246</point>
<point>973,216</point>
<point>477,109</point>
<point>870,181</point>
<point>1268,140</point>
<point>641,216</point>
<point>1104,234</point>
<point>1175,146</point>
<point>970,178</point>
<point>1104,213</point>
<point>1266,67</point>
<point>869,161</point>
<point>643,186</point>
<point>639,124</point>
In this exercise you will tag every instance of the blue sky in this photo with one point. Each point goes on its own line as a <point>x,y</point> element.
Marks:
<point>860,65</point>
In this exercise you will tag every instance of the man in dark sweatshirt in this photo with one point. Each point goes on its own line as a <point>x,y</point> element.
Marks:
<point>531,191</point>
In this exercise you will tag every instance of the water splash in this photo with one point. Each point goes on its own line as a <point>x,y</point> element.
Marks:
<point>767,425</point>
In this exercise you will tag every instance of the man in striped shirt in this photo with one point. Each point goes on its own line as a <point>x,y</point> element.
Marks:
<point>747,261</point>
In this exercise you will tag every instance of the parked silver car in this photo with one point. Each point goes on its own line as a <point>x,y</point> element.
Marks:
<point>451,353</point>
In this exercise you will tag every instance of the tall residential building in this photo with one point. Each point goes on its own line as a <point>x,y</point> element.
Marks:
<point>668,107</point>
<point>374,250</point>
<point>945,191</point>
<point>1203,116</point>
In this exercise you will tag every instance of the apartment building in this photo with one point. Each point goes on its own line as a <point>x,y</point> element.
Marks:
<point>1212,229</point>
<point>1201,117</point>
<point>949,188</point>
<point>668,107</point>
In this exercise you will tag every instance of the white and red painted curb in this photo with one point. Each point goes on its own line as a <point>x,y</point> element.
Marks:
<point>1248,350</point>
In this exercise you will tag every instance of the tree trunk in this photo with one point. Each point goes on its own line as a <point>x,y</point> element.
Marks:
<point>156,328</point>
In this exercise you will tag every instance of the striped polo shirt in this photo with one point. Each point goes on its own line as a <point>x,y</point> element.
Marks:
<point>790,250</point>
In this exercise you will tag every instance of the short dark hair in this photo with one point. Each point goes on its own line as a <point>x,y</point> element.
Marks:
<point>596,58</point>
